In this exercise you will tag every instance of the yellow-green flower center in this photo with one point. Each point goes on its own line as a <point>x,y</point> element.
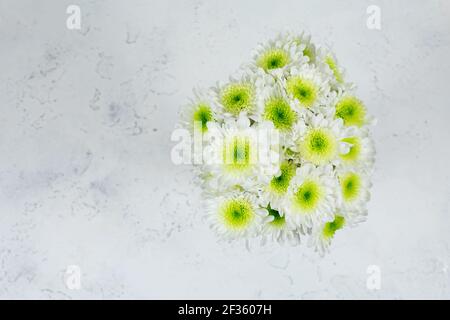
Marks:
<point>280,184</point>
<point>308,196</point>
<point>202,115</point>
<point>237,97</point>
<point>278,221</point>
<point>319,146</point>
<point>330,228</point>
<point>351,110</point>
<point>350,186</point>
<point>280,113</point>
<point>355,149</point>
<point>273,59</point>
<point>237,153</point>
<point>237,213</point>
<point>308,52</point>
<point>304,90</point>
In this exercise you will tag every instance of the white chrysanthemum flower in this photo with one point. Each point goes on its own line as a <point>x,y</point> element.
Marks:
<point>276,56</point>
<point>199,111</point>
<point>327,62</point>
<point>323,233</point>
<point>303,41</point>
<point>239,154</point>
<point>361,154</point>
<point>351,110</point>
<point>308,87</point>
<point>310,199</point>
<point>353,192</point>
<point>235,215</point>
<point>275,191</point>
<point>276,106</point>
<point>277,228</point>
<point>236,96</point>
<point>320,140</point>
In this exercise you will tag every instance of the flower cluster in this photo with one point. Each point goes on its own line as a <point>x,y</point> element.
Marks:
<point>308,174</point>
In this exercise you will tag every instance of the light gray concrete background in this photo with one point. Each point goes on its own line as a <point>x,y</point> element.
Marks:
<point>85,171</point>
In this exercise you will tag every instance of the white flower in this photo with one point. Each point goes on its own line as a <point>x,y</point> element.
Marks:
<point>235,215</point>
<point>275,191</point>
<point>276,56</point>
<point>241,154</point>
<point>327,62</point>
<point>361,154</point>
<point>276,106</point>
<point>236,96</point>
<point>307,86</point>
<point>199,111</point>
<point>323,233</point>
<point>353,192</point>
<point>320,140</point>
<point>303,41</point>
<point>277,228</point>
<point>310,199</point>
<point>348,107</point>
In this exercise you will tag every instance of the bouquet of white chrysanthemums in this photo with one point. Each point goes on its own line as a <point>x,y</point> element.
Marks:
<point>283,148</point>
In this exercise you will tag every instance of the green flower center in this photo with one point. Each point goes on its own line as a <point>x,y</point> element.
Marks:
<point>350,186</point>
<point>237,213</point>
<point>355,149</point>
<point>308,52</point>
<point>273,59</point>
<point>330,228</point>
<point>333,66</point>
<point>280,184</point>
<point>280,113</point>
<point>351,110</point>
<point>319,146</point>
<point>202,115</point>
<point>237,97</point>
<point>236,153</point>
<point>278,220</point>
<point>304,90</point>
<point>308,195</point>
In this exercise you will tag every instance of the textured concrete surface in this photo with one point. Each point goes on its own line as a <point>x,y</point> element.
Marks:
<point>85,171</point>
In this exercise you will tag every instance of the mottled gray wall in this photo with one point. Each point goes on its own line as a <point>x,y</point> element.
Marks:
<point>85,171</point>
